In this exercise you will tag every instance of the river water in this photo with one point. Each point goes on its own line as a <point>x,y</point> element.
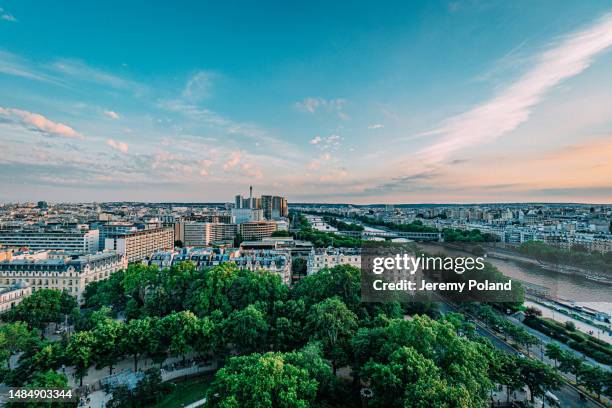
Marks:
<point>568,287</point>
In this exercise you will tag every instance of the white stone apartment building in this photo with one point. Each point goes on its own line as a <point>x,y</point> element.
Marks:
<point>320,258</point>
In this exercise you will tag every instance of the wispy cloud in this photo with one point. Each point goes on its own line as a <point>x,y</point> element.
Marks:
<point>199,86</point>
<point>326,143</point>
<point>79,70</point>
<point>120,146</point>
<point>376,126</point>
<point>38,123</point>
<point>313,105</point>
<point>112,114</point>
<point>232,161</point>
<point>11,64</point>
<point>511,107</point>
<point>6,16</point>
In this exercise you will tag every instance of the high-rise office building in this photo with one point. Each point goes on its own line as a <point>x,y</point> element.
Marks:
<point>274,207</point>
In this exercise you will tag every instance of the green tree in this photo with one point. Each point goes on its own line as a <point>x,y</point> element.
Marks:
<point>14,337</point>
<point>594,379</point>
<point>181,329</point>
<point>570,363</point>
<point>107,334</point>
<point>135,339</point>
<point>464,364</point>
<point>410,380</point>
<point>334,324</point>
<point>137,278</point>
<point>262,381</point>
<point>554,352</point>
<point>247,330</point>
<point>506,371</point>
<point>539,377</point>
<point>81,351</point>
<point>45,380</point>
<point>39,309</point>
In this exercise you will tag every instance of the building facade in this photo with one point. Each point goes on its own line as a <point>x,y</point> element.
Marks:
<point>79,239</point>
<point>69,273</point>
<point>274,207</point>
<point>320,258</point>
<point>12,295</point>
<point>137,246</point>
<point>256,230</point>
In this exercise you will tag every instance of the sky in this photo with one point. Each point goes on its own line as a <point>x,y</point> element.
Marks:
<point>353,102</point>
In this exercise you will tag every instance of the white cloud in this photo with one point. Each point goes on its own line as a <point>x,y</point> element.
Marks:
<point>39,123</point>
<point>376,126</point>
<point>79,70</point>
<point>121,146</point>
<point>198,86</point>
<point>251,171</point>
<point>326,143</point>
<point>6,16</point>
<point>11,64</point>
<point>513,105</point>
<point>111,114</point>
<point>232,161</point>
<point>335,175</point>
<point>313,105</point>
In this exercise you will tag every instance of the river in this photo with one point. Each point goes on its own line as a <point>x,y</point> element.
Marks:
<point>568,287</point>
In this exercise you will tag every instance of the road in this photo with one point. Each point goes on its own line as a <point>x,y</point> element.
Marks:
<point>568,395</point>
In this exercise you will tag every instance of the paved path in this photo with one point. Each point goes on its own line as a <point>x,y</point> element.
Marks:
<point>197,403</point>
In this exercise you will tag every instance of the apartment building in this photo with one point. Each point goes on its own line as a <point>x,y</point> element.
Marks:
<point>12,295</point>
<point>320,258</point>
<point>62,272</point>
<point>255,230</point>
<point>201,234</point>
<point>78,239</point>
<point>139,245</point>
<point>278,262</point>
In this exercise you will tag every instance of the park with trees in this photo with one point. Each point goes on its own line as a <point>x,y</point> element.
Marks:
<point>315,344</point>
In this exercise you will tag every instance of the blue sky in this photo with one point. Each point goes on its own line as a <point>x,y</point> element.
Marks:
<point>432,101</point>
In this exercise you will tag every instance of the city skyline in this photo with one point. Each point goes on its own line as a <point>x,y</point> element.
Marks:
<point>438,102</point>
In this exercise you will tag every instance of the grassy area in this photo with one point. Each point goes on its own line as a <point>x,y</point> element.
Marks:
<point>186,392</point>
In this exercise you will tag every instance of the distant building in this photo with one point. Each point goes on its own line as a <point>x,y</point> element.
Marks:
<point>136,246</point>
<point>6,254</point>
<point>12,295</point>
<point>274,207</point>
<point>294,247</point>
<point>255,230</point>
<point>201,234</point>
<point>329,257</point>
<point>62,272</point>
<point>240,215</point>
<point>79,239</point>
<point>278,262</point>
<point>217,233</point>
<point>114,228</point>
